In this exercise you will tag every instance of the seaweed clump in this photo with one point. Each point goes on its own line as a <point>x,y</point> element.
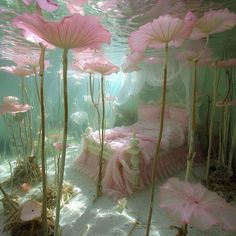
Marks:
<point>67,192</point>
<point>26,171</point>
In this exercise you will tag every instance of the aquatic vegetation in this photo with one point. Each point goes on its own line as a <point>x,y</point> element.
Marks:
<point>87,34</point>
<point>165,96</point>
<point>102,67</point>
<point>26,171</point>
<point>162,32</point>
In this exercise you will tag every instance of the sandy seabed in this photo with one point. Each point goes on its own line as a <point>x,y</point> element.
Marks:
<point>82,217</point>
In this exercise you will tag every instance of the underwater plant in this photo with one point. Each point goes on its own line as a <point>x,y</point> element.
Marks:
<point>225,103</point>
<point>14,121</point>
<point>195,59</point>
<point>72,32</point>
<point>211,22</point>
<point>102,67</point>
<point>164,31</point>
<point>22,72</point>
<point>193,204</point>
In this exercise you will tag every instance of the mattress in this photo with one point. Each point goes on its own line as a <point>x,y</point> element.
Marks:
<point>128,155</point>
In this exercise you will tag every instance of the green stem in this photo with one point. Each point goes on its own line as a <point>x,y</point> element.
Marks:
<point>91,89</point>
<point>43,163</point>
<point>192,151</point>
<point>63,154</point>
<point>99,181</point>
<point>156,157</point>
<point>211,124</point>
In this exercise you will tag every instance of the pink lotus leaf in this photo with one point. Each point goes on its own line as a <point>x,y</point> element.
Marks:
<point>47,5</point>
<point>163,30</point>
<point>213,21</point>
<point>31,210</point>
<point>203,57</point>
<point>189,22</point>
<point>226,103</point>
<point>13,108</point>
<point>131,62</point>
<point>102,67</point>
<point>85,56</point>
<point>18,71</point>
<point>193,204</point>
<point>75,31</point>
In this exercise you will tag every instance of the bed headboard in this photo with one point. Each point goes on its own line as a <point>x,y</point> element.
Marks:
<point>152,112</point>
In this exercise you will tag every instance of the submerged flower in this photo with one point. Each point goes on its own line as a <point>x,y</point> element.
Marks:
<point>83,57</point>
<point>163,30</point>
<point>47,5</point>
<point>203,58</point>
<point>101,66</point>
<point>11,105</point>
<point>75,31</point>
<point>192,203</point>
<point>213,21</point>
<point>13,108</point>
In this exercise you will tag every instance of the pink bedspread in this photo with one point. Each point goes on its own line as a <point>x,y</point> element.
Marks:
<point>120,179</point>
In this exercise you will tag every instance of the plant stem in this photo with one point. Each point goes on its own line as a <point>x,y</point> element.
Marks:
<point>99,181</point>
<point>192,151</point>
<point>211,124</point>
<point>232,149</point>
<point>7,198</point>
<point>156,157</point>
<point>63,154</point>
<point>95,105</point>
<point>43,163</point>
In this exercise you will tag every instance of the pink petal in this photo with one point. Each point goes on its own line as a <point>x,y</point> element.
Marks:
<point>101,67</point>
<point>162,30</point>
<point>213,21</point>
<point>75,31</point>
<point>204,58</point>
<point>189,22</point>
<point>190,203</point>
<point>13,108</point>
